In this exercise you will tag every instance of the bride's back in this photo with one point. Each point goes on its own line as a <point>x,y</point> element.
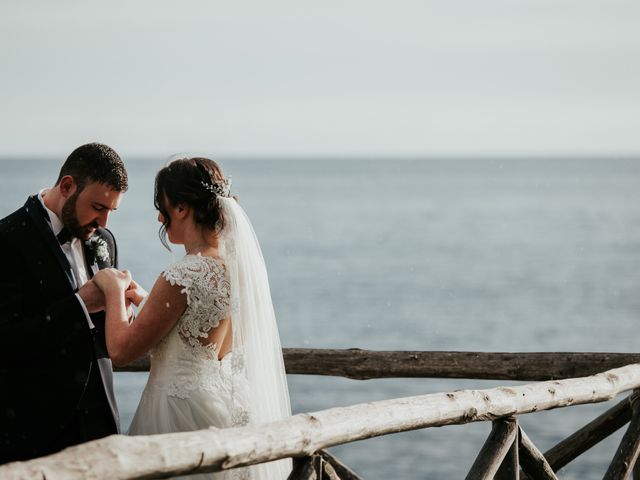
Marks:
<point>204,330</point>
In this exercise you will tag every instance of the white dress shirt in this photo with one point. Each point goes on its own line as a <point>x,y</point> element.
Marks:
<point>73,251</point>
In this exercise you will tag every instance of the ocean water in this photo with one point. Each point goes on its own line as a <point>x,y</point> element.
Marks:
<point>492,255</point>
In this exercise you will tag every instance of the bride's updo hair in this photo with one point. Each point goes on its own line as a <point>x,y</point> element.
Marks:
<point>197,182</point>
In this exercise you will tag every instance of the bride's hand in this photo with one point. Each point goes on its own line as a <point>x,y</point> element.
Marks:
<point>135,293</point>
<point>110,280</point>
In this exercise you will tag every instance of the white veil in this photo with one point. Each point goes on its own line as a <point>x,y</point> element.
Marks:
<point>256,342</point>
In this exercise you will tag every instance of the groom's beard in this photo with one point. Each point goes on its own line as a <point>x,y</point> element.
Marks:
<point>70,219</point>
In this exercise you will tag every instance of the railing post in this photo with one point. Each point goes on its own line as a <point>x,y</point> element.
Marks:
<point>534,465</point>
<point>320,466</point>
<point>510,467</point>
<point>622,465</point>
<point>306,468</point>
<point>342,471</point>
<point>495,449</point>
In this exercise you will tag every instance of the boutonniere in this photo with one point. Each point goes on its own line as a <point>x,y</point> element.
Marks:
<point>98,248</point>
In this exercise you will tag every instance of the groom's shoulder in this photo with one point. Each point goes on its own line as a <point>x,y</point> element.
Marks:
<point>14,221</point>
<point>110,239</point>
<point>13,228</point>
<point>106,234</point>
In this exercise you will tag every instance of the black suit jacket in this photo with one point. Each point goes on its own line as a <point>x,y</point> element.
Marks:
<point>55,376</point>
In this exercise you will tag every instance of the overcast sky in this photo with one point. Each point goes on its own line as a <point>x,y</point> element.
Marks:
<point>296,78</point>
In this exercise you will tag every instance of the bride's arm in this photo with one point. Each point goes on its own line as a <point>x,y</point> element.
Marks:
<point>128,341</point>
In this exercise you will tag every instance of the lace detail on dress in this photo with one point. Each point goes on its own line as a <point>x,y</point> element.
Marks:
<point>205,282</point>
<point>242,474</point>
<point>187,377</point>
<point>235,374</point>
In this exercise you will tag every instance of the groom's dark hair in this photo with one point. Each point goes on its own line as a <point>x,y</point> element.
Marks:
<point>95,163</point>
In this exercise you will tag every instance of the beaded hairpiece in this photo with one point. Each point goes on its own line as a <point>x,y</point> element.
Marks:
<point>221,188</point>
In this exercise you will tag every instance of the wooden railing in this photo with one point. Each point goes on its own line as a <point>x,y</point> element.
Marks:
<point>507,450</point>
<point>361,364</point>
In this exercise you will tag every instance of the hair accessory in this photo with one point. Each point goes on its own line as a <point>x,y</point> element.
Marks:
<point>221,188</point>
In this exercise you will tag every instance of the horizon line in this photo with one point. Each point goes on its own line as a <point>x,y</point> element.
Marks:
<point>353,157</point>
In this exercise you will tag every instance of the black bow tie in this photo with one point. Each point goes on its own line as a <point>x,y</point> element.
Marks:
<point>64,236</point>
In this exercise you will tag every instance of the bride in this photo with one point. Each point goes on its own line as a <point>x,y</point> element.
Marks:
<point>208,322</point>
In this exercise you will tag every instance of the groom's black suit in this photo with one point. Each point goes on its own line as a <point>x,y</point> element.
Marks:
<point>56,388</point>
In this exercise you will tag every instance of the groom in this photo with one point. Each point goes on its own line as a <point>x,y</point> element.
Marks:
<point>56,386</point>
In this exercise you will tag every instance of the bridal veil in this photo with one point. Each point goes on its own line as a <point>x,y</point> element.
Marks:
<point>257,352</point>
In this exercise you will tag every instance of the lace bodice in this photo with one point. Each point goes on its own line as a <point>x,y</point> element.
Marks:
<point>205,282</point>
<point>185,362</point>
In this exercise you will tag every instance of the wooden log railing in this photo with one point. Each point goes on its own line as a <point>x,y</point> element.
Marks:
<point>533,462</point>
<point>162,456</point>
<point>367,364</point>
<point>498,446</point>
<point>627,454</point>
<point>589,435</point>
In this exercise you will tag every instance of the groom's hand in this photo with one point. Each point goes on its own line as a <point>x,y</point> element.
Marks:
<point>92,297</point>
<point>135,293</point>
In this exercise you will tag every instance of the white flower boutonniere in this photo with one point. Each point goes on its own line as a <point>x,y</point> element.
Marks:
<point>99,248</point>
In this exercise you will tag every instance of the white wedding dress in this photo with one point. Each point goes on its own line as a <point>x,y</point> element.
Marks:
<point>188,387</point>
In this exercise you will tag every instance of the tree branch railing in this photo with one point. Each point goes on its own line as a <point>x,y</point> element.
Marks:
<point>368,364</point>
<point>162,456</point>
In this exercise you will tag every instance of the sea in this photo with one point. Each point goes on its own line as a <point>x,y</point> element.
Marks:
<point>419,254</point>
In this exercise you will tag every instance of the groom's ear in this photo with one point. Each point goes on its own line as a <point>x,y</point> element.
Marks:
<point>67,186</point>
